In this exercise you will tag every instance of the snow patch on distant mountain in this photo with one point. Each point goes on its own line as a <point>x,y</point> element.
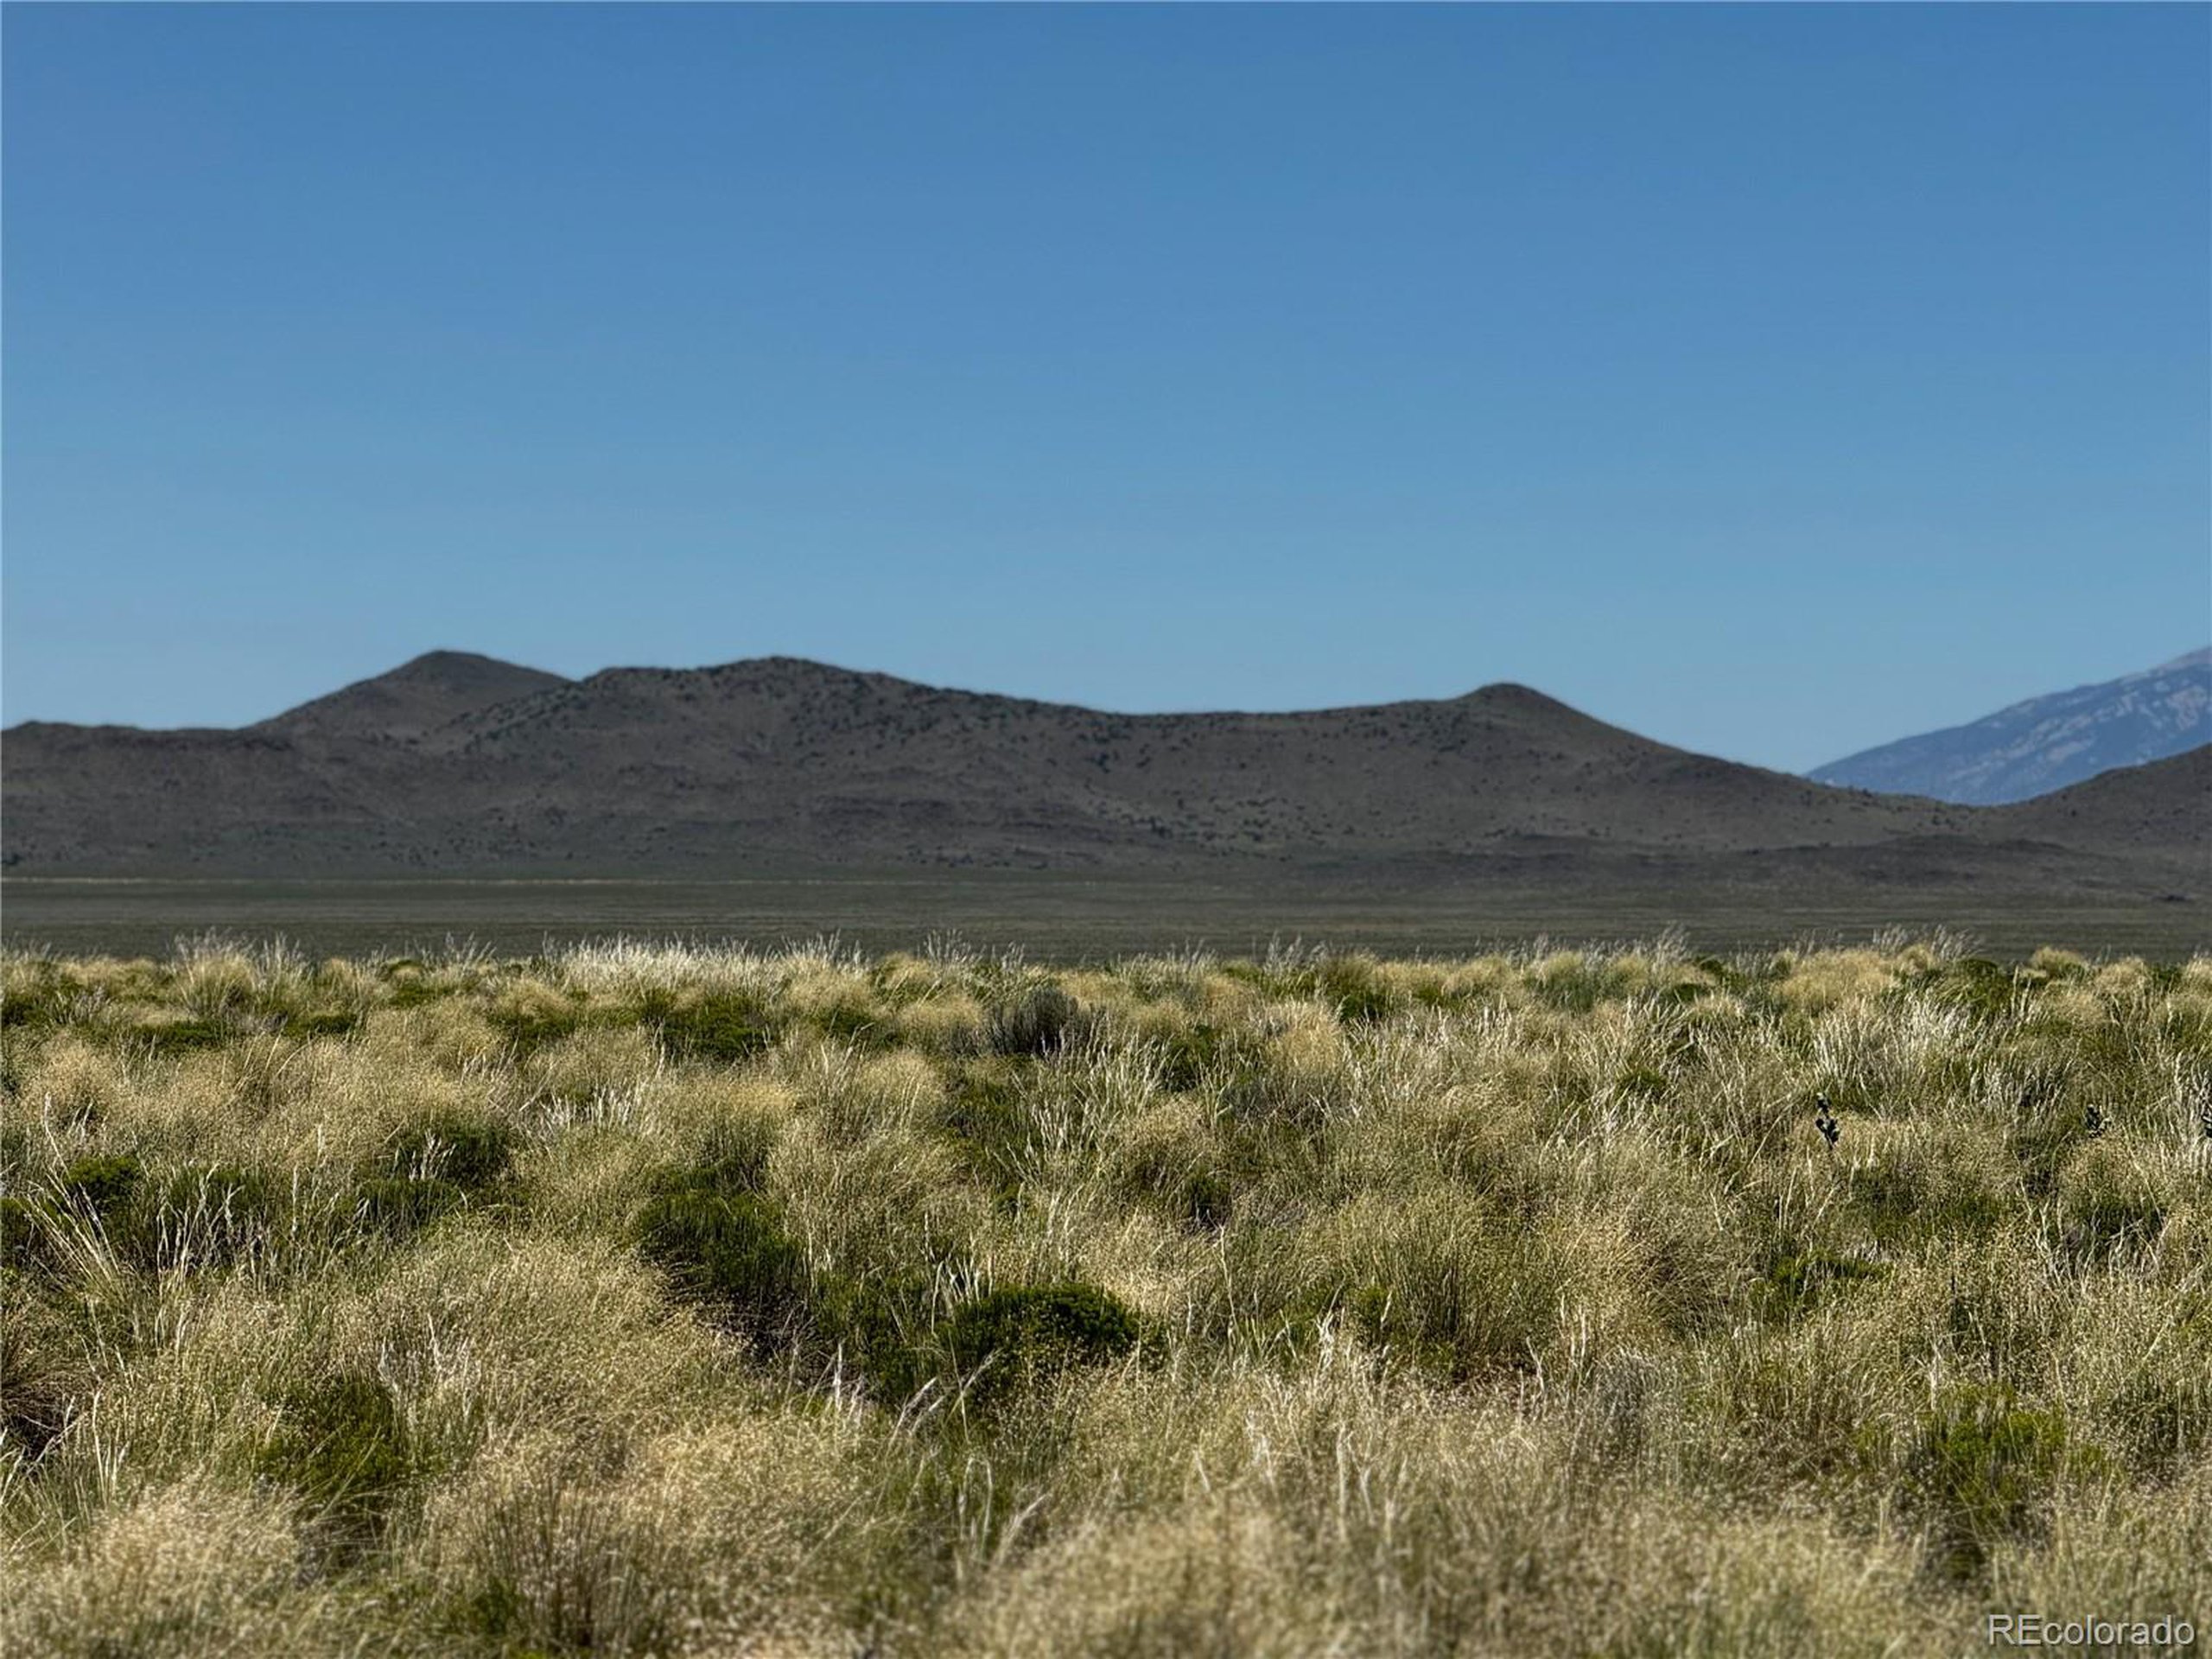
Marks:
<point>2045,743</point>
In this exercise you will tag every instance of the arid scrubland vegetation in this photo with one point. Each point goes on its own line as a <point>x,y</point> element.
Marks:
<point>644,1302</point>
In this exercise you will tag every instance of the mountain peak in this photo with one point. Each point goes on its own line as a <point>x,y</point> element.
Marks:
<point>445,663</point>
<point>422,693</point>
<point>1511,694</point>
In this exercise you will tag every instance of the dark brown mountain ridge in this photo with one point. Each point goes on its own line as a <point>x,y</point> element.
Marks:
<point>463,764</point>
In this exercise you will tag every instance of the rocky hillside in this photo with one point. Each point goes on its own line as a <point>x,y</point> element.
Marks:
<point>454,764</point>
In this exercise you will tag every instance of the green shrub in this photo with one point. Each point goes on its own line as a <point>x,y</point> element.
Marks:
<point>209,1216</point>
<point>102,1185</point>
<point>1354,987</point>
<point>2042,1147</point>
<point>735,1157</point>
<point>1035,1020</point>
<point>858,1025</point>
<point>1797,1280</point>
<point>1015,1337</point>
<point>879,1324</point>
<point>727,1251</point>
<point>183,1036</point>
<point>723,1029</point>
<point>1905,1200</point>
<point>1188,1055</point>
<point>471,1152</point>
<point>1980,1470</point>
<point>1982,988</point>
<point>397,1206</point>
<point>530,1026</point>
<point>2098,1223</point>
<point>1573,987</point>
<point>303,1023</point>
<point>34,999</point>
<point>1208,1201</point>
<point>341,1444</point>
<point>1429,1333</point>
<point>102,1188</point>
<point>1458,1301</point>
<point>988,1122</point>
<point>26,1242</point>
<point>33,1416</point>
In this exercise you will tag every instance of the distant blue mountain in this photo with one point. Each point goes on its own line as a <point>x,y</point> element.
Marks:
<point>2045,743</point>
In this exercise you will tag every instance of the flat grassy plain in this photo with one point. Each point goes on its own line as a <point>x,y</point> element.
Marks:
<point>654,1300</point>
<point>1073,917</point>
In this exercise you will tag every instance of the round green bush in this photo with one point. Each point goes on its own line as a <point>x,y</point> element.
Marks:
<point>1021,1335</point>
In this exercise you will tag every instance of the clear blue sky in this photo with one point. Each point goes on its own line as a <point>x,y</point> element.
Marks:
<point>1773,380</point>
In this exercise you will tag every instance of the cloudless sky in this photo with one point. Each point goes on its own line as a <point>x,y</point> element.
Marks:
<point>1773,380</point>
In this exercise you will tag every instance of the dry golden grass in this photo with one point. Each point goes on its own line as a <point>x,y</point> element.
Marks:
<point>644,1300</point>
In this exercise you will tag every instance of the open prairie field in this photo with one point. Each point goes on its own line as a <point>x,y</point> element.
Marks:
<point>641,1300</point>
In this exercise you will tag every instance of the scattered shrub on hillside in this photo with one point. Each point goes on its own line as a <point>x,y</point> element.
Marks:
<point>1449,1267</point>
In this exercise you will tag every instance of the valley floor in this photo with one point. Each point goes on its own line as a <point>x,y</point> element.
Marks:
<point>1069,916</point>
<point>632,1300</point>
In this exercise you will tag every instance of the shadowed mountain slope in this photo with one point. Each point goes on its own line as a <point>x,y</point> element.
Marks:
<point>777,764</point>
<point>2163,804</point>
<point>2045,743</point>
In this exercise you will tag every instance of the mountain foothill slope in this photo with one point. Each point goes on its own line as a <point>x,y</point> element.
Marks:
<point>461,765</point>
